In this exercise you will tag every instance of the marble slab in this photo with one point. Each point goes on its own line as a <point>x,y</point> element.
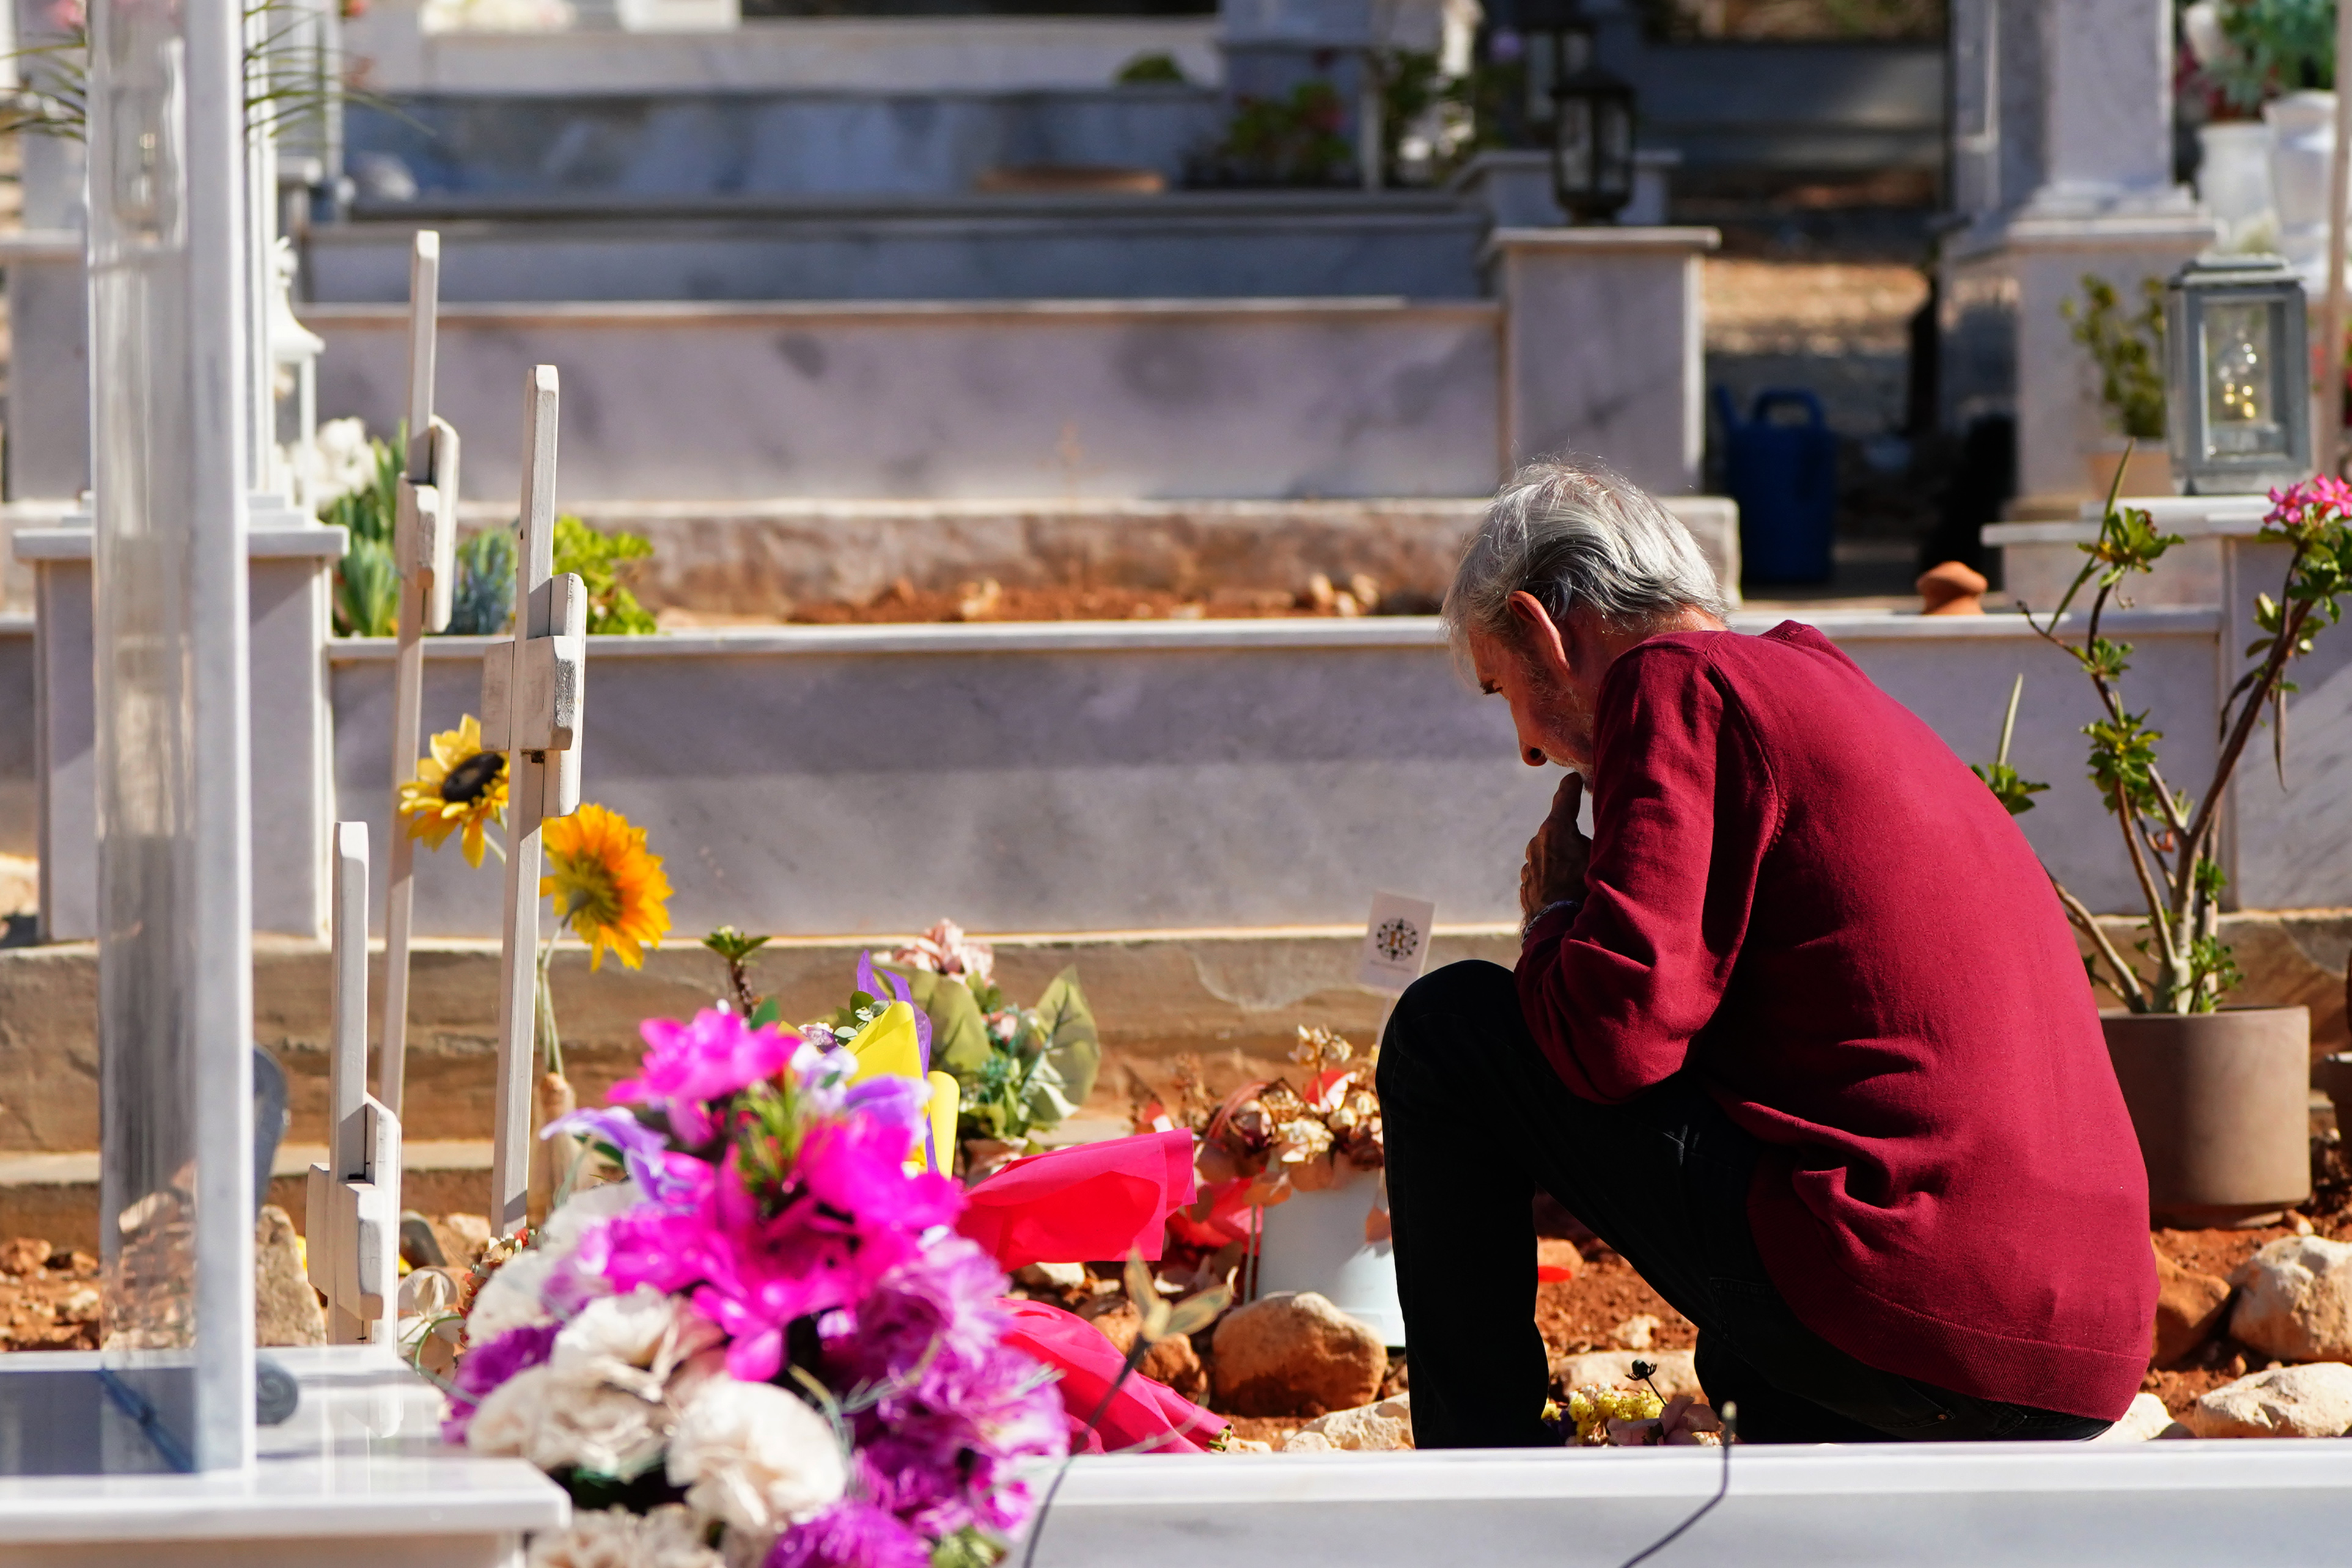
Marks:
<point>1923,1505</point>
<point>1245,398</point>
<point>358,1478</point>
<point>1132,776</point>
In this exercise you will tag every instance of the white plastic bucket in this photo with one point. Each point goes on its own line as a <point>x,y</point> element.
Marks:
<point>1315,1241</point>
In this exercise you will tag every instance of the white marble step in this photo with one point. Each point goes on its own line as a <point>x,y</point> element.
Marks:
<point>2017,1505</point>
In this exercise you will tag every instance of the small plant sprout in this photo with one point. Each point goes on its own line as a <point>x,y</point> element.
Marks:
<point>2168,834</point>
<point>736,950</point>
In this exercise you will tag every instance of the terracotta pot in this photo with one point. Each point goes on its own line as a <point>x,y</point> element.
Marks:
<point>2221,1105</point>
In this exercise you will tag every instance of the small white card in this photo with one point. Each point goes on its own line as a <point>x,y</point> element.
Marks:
<point>1396,941</point>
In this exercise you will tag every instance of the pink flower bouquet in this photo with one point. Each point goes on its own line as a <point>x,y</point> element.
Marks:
<point>767,1346</point>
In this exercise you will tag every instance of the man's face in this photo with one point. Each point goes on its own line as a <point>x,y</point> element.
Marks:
<point>1551,708</point>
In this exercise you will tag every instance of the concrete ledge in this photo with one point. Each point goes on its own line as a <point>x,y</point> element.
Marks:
<point>763,557</point>
<point>1606,238</point>
<point>1235,996</point>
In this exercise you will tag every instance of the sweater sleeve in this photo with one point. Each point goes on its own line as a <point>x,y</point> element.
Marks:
<point>1683,810</point>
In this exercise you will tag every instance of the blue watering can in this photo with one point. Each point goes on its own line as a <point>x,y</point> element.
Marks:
<point>1783,473</point>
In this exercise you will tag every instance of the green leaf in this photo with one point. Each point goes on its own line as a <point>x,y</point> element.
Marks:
<point>2014,792</point>
<point>769,1011</point>
<point>367,589</point>
<point>1042,1095</point>
<point>597,558</point>
<point>732,944</point>
<point>960,1042</point>
<point>1073,1044</point>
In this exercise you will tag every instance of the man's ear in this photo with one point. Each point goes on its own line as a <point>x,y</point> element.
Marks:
<point>1541,641</point>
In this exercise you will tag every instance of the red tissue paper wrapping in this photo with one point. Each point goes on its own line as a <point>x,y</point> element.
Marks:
<point>1146,1416</point>
<point>1091,1201</point>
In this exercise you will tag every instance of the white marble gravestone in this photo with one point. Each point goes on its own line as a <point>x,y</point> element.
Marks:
<point>2062,162</point>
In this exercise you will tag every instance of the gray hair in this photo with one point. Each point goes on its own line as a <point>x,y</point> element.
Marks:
<point>1577,532</point>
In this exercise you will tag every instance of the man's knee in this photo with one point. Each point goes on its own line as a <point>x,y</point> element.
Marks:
<point>1440,1002</point>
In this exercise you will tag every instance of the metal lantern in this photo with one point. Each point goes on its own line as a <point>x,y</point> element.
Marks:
<point>2237,395</point>
<point>1591,112</point>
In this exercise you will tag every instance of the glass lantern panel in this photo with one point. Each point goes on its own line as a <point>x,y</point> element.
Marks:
<point>2242,413</point>
<point>1574,135</point>
<point>1613,168</point>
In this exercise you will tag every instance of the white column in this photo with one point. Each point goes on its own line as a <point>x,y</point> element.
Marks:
<point>2106,100</point>
<point>1603,338</point>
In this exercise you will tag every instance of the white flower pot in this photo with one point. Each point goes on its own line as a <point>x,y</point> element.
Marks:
<point>2303,144</point>
<point>1316,1241</point>
<point>2233,180</point>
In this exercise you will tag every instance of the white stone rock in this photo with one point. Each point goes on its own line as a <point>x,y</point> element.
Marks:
<point>1384,1427</point>
<point>2310,1401</point>
<point>2147,1418</point>
<point>1676,1371</point>
<point>2295,1299</point>
<point>1052,1276</point>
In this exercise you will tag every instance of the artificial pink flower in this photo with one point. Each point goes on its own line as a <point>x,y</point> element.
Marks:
<point>715,1056</point>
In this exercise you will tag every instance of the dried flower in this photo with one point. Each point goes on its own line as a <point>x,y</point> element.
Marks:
<point>1304,1138</point>
<point>1603,1414</point>
<point>944,949</point>
<point>1320,1047</point>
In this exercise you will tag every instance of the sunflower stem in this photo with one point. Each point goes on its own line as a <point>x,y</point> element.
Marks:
<point>550,1046</point>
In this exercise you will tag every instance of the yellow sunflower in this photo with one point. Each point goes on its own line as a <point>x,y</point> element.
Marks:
<point>460,785</point>
<point>606,886</point>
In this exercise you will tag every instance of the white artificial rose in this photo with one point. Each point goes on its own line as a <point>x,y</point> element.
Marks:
<point>625,1331</point>
<point>614,1538</point>
<point>755,1457</point>
<point>509,1299</point>
<point>560,1236</point>
<point>596,1426</point>
<point>511,1414</point>
<point>636,1341</point>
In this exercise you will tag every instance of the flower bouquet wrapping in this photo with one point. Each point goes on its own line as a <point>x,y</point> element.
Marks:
<point>765,1345</point>
<point>769,1344</point>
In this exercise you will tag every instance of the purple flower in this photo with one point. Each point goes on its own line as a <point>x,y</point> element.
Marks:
<point>901,1102</point>
<point>867,982</point>
<point>489,1365</point>
<point>851,1534</point>
<point>644,1150</point>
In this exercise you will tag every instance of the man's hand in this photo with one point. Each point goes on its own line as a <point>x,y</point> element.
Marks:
<point>1556,855</point>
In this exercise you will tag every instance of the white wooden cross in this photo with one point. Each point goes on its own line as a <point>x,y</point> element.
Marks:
<point>425,547</point>
<point>352,1219</point>
<point>532,702</point>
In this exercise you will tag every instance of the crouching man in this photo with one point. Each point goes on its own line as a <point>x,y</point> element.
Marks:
<point>1801,1031</point>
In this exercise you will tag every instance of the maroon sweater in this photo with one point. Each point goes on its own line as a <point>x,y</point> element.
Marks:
<point>1799,892</point>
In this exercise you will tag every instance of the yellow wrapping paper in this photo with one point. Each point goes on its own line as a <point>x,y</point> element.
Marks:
<point>890,1045</point>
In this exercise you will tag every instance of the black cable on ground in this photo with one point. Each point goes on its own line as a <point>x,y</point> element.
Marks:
<point>1730,1414</point>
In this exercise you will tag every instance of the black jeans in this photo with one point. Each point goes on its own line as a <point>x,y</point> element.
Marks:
<point>1476,1120</point>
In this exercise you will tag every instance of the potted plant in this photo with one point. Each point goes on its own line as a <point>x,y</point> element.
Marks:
<point>1303,1168</point>
<point>2218,1096</point>
<point>2127,348</point>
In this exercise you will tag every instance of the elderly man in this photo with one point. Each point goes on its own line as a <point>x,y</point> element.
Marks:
<point>1801,1031</point>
